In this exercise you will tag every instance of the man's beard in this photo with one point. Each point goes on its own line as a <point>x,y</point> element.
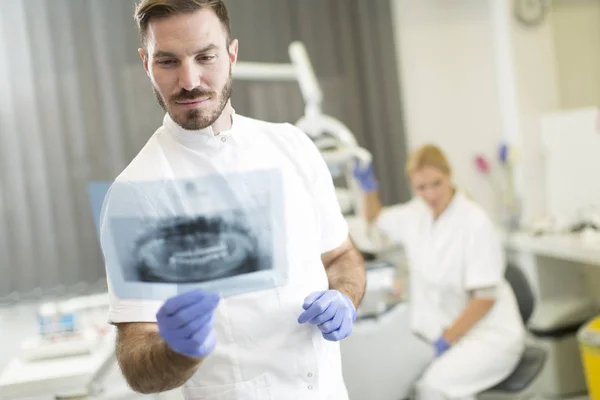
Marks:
<point>194,119</point>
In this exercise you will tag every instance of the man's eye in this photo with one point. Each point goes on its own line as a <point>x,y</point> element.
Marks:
<point>166,62</point>
<point>206,58</point>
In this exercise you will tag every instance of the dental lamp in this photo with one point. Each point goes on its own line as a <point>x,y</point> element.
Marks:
<point>338,145</point>
<point>335,141</point>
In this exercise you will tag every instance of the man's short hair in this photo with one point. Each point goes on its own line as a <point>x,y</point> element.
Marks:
<point>146,10</point>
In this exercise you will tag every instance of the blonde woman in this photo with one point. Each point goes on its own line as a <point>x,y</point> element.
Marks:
<point>459,299</point>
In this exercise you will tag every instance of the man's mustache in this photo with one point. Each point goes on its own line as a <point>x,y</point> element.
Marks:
<point>191,95</point>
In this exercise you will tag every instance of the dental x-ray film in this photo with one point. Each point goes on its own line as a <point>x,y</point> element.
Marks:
<point>221,233</point>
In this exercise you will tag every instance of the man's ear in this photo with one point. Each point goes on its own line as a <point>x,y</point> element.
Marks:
<point>144,58</point>
<point>233,51</point>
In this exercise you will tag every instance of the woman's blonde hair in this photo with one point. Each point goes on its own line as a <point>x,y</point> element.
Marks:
<point>427,156</point>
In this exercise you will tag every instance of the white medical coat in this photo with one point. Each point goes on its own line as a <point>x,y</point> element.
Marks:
<point>449,257</point>
<point>262,352</point>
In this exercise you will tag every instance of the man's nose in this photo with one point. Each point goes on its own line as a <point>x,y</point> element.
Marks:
<point>189,75</point>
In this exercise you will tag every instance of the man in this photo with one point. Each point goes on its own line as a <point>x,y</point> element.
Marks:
<point>278,343</point>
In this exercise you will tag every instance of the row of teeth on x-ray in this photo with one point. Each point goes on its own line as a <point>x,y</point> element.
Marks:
<point>195,249</point>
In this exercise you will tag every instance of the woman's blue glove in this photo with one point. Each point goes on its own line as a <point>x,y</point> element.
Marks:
<point>332,311</point>
<point>366,177</point>
<point>185,323</point>
<point>441,346</point>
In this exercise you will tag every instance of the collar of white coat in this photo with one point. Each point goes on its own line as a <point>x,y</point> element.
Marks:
<point>458,198</point>
<point>199,136</point>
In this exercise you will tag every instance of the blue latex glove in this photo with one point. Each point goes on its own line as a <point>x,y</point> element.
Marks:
<point>331,311</point>
<point>366,177</point>
<point>441,346</point>
<point>185,323</point>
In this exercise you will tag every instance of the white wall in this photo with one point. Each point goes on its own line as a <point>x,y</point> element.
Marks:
<point>537,87</point>
<point>448,77</point>
<point>576,25</point>
<point>471,77</point>
<point>577,40</point>
<point>556,65</point>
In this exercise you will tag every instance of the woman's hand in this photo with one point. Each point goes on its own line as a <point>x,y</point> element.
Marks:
<point>441,346</point>
<point>477,308</point>
<point>365,175</point>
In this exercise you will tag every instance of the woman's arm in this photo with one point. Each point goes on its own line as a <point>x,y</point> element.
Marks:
<point>476,309</point>
<point>484,270</point>
<point>369,185</point>
<point>372,206</point>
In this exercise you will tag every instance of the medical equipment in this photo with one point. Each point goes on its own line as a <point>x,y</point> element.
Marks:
<point>54,320</point>
<point>334,139</point>
<point>66,328</point>
<point>584,224</point>
<point>59,361</point>
<point>91,374</point>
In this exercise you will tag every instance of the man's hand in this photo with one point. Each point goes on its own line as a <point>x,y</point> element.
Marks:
<point>185,323</point>
<point>332,311</point>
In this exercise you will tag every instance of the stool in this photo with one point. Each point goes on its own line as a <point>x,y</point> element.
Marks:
<point>533,358</point>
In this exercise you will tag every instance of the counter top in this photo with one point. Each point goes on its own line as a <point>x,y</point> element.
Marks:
<point>569,247</point>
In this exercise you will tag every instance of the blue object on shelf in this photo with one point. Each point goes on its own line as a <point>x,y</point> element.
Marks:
<point>503,153</point>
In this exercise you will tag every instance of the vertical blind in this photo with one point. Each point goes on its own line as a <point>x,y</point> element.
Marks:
<point>76,106</point>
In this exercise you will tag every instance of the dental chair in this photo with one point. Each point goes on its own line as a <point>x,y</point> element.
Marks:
<point>519,384</point>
